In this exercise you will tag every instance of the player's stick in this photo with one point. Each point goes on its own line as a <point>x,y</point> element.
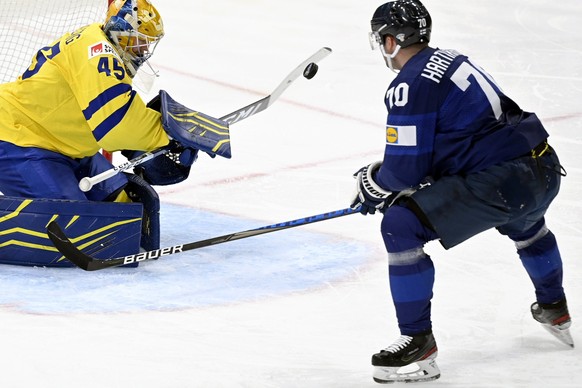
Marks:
<point>89,263</point>
<point>260,105</point>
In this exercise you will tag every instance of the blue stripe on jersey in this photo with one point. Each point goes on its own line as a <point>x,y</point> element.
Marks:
<point>42,56</point>
<point>104,98</point>
<point>412,283</point>
<point>110,122</point>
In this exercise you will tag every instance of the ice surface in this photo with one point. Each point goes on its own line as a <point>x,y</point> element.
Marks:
<point>307,307</point>
<point>290,261</point>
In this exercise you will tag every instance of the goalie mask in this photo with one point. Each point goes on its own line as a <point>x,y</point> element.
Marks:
<point>134,27</point>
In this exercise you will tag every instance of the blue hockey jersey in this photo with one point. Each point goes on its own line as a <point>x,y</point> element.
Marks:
<point>447,116</point>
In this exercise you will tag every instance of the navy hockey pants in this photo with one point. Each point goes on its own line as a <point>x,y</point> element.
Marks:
<point>38,173</point>
<point>511,197</point>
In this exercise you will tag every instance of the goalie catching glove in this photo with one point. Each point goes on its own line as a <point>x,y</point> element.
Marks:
<point>369,195</point>
<point>192,129</point>
<point>189,131</point>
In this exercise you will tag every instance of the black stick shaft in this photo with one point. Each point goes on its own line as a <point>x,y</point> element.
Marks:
<point>88,263</point>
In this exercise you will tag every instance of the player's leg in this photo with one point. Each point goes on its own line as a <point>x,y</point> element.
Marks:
<point>535,243</point>
<point>36,173</point>
<point>540,256</point>
<point>411,270</point>
<point>411,275</point>
<point>452,209</point>
<point>538,249</point>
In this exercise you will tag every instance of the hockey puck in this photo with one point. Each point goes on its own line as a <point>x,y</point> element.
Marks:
<point>310,70</point>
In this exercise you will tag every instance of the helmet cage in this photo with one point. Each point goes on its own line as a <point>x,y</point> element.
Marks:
<point>377,38</point>
<point>134,47</point>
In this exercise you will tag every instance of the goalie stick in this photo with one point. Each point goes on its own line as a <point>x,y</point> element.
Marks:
<point>260,105</point>
<point>89,263</point>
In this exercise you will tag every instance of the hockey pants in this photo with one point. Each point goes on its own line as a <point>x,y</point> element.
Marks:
<point>511,197</point>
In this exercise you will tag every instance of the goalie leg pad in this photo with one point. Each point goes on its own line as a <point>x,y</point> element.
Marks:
<point>103,229</point>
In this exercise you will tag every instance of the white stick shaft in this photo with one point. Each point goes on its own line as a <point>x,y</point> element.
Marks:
<point>87,183</point>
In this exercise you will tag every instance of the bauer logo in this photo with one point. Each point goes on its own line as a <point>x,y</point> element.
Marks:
<point>401,136</point>
<point>101,48</point>
<point>155,254</point>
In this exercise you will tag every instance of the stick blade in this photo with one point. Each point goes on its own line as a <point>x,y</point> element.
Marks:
<point>67,248</point>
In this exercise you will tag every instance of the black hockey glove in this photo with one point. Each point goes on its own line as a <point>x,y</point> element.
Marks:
<point>369,195</point>
<point>168,169</point>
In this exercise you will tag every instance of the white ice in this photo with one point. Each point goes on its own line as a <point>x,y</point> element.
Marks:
<point>308,307</point>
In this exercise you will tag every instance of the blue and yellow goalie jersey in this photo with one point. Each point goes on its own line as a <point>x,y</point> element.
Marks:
<point>76,98</point>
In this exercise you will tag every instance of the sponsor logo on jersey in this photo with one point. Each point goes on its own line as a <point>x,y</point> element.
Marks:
<point>101,48</point>
<point>401,135</point>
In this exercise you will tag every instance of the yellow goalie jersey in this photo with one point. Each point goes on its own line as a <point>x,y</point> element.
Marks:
<point>76,98</point>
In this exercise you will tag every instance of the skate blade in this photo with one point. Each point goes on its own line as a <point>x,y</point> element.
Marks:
<point>425,370</point>
<point>561,332</point>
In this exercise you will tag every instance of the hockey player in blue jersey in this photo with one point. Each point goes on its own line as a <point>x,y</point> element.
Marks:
<point>461,157</point>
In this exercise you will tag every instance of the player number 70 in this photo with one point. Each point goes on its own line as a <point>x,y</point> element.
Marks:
<point>461,78</point>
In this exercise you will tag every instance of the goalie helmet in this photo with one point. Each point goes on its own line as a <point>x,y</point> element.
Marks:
<point>134,27</point>
<point>406,20</point>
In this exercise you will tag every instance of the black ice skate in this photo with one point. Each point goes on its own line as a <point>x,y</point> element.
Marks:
<point>555,318</point>
<point>408,359</point>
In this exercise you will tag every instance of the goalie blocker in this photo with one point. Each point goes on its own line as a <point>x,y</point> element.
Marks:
<point>107,229</point>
